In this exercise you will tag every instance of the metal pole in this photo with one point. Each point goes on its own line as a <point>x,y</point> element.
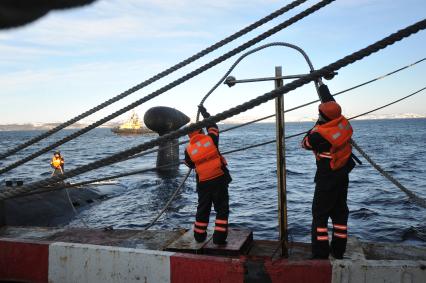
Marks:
<point>281,172</point>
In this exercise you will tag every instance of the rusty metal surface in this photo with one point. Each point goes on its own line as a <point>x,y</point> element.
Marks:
<point>153,240</point>
<point>281,165</point>
<point>238,243</point>
<point>271,249</point>
<point>28,233</point>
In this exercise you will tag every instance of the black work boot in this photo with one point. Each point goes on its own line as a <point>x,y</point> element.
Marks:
<point>200,237</point>
<point>219,238</point>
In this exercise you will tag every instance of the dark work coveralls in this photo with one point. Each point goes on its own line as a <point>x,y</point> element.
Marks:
<point>214,191</point>
<point>330,196</point>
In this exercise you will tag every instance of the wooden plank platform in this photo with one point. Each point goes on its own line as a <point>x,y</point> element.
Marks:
<point>238,243</point>
<point>187,244</point>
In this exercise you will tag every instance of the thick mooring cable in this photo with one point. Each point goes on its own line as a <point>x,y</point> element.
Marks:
<point>155,78</point>
<point>173,84</point>
<point>293,108</point>
<point>226,114</point>
<point>409,193</point>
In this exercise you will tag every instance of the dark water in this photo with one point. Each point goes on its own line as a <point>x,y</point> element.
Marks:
<point>379,211</point>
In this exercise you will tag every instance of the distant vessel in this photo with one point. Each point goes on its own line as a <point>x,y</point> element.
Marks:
<point>133,126</point>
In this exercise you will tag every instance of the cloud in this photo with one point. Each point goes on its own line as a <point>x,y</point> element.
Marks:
<point>16,81</point>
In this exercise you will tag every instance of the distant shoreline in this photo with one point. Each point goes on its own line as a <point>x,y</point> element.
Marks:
<point>48,126</point>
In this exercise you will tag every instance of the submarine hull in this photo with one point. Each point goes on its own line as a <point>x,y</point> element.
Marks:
<point>48,209</point>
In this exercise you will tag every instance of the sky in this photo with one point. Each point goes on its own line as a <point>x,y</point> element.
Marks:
<point>70,61</point>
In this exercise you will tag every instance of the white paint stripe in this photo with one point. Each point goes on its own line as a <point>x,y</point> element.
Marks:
<point>69,263</point>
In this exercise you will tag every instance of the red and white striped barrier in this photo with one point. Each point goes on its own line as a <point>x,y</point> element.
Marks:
<point>27,261</point>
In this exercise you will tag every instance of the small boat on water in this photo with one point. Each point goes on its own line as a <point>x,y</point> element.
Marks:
<point>133,126</point>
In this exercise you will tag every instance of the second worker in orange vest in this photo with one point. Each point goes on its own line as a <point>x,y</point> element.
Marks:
<point>329,140</point>
<point>57,163</point>
<point>213,178</point>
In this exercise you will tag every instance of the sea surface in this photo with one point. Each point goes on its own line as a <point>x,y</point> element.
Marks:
<point>379,211</point>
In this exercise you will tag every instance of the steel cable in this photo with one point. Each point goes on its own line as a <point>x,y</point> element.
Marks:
<point>171,85</point>
<point>356,56</point>
<point>155,78</point>
<point>169,202</point>
<point>411,196</point>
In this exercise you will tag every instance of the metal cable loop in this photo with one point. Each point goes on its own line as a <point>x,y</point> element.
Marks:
<point>272,44</point>
<point>158,76</point>
<point>228,113</point>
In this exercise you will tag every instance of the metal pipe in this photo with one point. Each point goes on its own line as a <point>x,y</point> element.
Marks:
<point>285,44</point>
<point>281,170</point>
<point>233,82</point>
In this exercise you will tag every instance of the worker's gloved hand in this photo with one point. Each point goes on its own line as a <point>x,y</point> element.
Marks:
<point>325,94</point>
<point>203,111</point>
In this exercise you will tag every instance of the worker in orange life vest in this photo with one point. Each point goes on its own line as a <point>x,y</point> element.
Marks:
<point>57,163</point>
<point>213,178</point>
<point>329,140</point>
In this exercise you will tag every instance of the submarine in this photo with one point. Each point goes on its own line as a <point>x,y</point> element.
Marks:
<point>56,208</point>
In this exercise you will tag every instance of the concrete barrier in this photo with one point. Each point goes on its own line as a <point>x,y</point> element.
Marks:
<point>91,263</point>
<point>42,262</point>
<point>389,271</point>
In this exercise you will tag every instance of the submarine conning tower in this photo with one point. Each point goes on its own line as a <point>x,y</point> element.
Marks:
<point>162,120</point>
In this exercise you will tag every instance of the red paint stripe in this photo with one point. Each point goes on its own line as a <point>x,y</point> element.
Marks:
<point>312,271</point>
<point>24,261</point>
<point>198,268</point>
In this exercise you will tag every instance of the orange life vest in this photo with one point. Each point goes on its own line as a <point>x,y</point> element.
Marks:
<point>207,159</point>
<point>338,133</point>
<point>57,162</point>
